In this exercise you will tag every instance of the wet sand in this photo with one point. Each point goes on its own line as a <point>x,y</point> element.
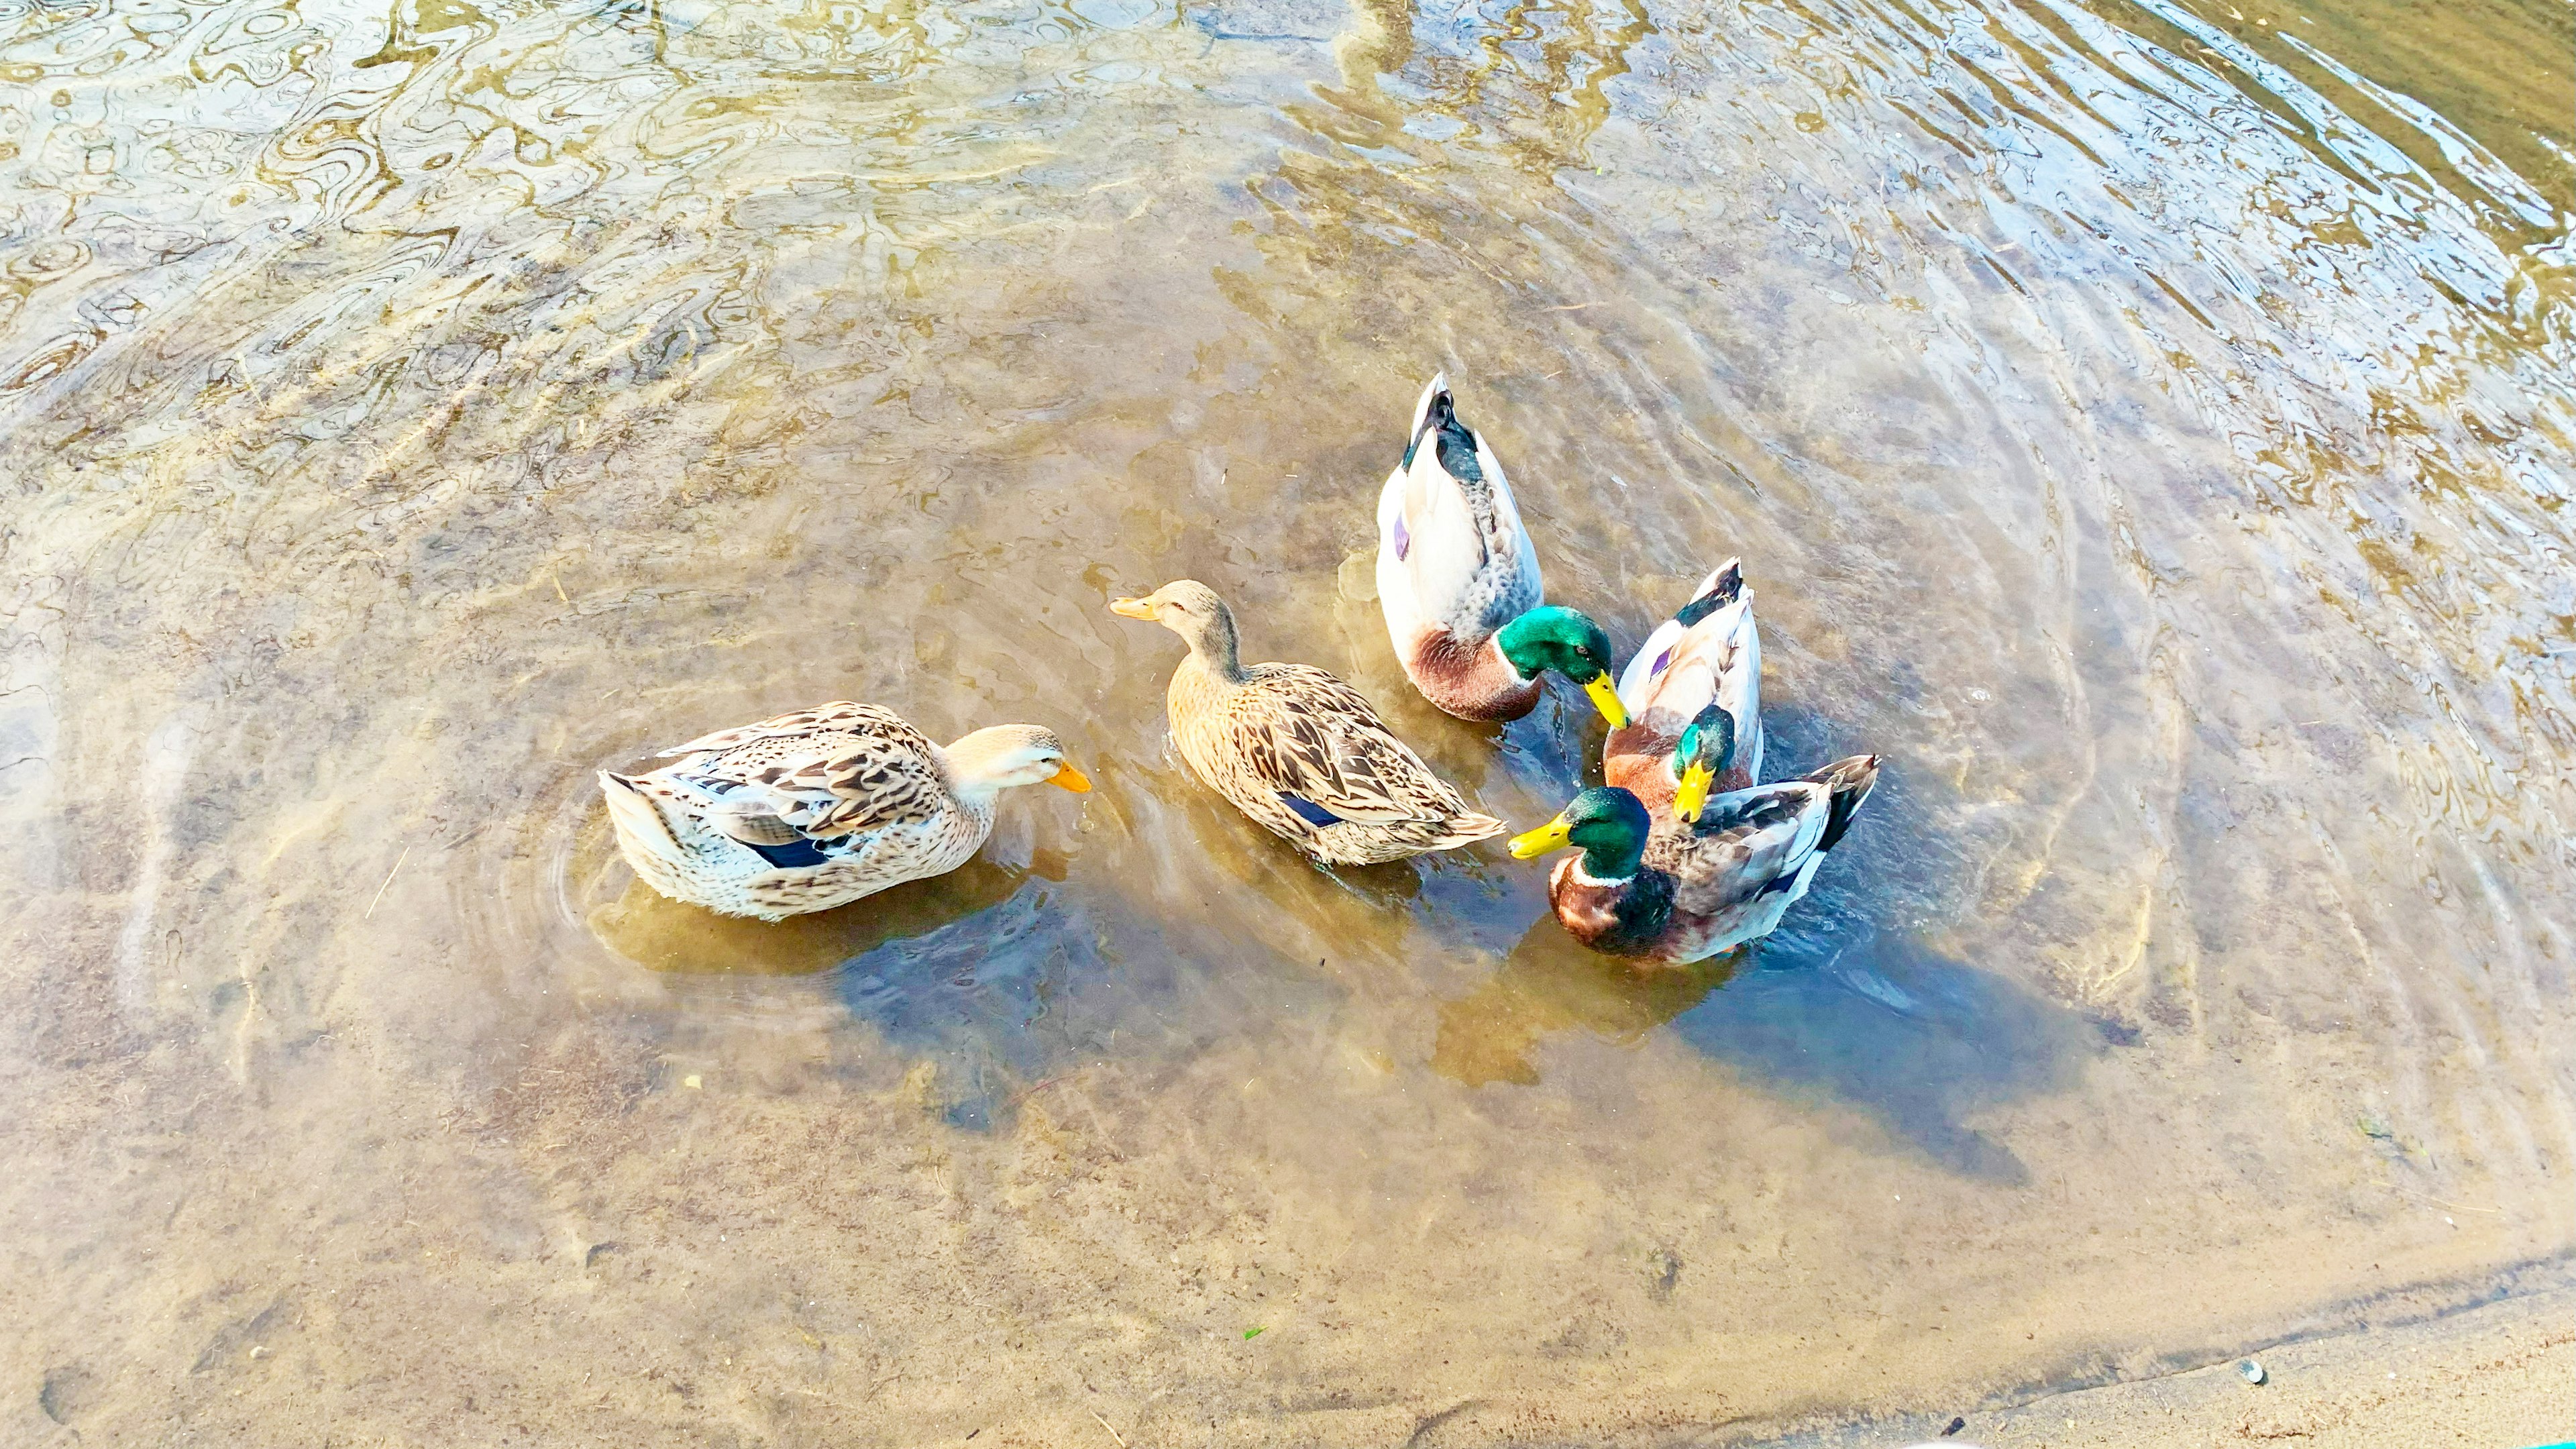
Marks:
<point>2156,447</point>
<point>2500,1374</point>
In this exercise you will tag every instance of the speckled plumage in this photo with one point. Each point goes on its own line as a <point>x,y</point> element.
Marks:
<point>1273,738</point>
<point>1709,652</point>
<point>803,812</point>
<point>1454,564</point>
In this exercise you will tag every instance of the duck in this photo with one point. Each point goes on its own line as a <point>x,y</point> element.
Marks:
<point>1458,581</point>
<point>1670,892</point>
<point>1297,749</point>
<point>1706,658</point>
<point>820,808</point>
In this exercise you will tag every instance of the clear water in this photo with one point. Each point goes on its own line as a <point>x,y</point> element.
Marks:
<point>2147,424</point>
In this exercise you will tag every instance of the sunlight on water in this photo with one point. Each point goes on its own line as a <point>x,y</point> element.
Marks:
<point>2147,424</point>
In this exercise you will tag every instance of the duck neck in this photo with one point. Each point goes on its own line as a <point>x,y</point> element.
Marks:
<point>1622,914</point>
<point>1610,863</point>
<point>1214,650</point>
<point>1472,681</point>
<point>971,772</point>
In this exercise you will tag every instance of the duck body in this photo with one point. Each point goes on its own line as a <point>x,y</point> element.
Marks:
<point>1298,750</point>
<point>1708,654</point>
<point>1456,568</point>
<point>1671,891</point>
<point>819,808</point>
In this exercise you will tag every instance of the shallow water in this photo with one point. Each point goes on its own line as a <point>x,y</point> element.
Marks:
<point>2148,425</point>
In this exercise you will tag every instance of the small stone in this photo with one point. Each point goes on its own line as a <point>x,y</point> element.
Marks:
<point>259,1350</point>
<point>2252,1371</point>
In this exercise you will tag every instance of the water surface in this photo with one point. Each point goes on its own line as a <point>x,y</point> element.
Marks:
<point>2148,425</point>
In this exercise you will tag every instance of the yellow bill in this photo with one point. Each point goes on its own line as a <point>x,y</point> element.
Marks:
<point>1551,836</point>
<point>1692,797</point>
<point>1066,777</point>
<point>1605,698</point>
<point>1132,608</point>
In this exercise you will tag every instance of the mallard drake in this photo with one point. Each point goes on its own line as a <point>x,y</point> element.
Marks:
<point>1297,749</point>
<point>1457,579</point>
<point>1675,892</point>
<point>1694,698</point>
<point>816,809</point>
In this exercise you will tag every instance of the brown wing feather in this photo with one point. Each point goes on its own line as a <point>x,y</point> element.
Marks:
<point>1302,731</point>
<point>821,773</point>
<point>1748,839</point>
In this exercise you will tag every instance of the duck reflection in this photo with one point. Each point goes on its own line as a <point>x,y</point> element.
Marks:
<point>1551,984</point>
<point>678,939</point>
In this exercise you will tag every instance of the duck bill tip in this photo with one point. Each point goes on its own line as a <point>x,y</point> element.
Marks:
<point>1691,797</point>
<point>1605,698</point>
<point>1530,845</point>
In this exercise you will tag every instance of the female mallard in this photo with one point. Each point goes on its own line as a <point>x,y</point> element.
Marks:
<point>1694,696</point>
<point>1458,580</point>
<point>816,809</point>
<point>1675,892</point>
<point>1297,749</point>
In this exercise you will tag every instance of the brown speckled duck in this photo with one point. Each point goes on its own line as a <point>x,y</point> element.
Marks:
<point>1458,582</point>
<point>1297,749</point>
<point>816,809</point>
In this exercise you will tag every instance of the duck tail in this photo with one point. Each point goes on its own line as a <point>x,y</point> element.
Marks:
<point>1723,586</point>
<point>1850,780</point>
<point>639,821</point>
<point>1466,829</point>
<point>1434,394</point>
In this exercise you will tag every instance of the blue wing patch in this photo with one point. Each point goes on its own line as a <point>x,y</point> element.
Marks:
<point>794,855</point>
<point>1308,811</point>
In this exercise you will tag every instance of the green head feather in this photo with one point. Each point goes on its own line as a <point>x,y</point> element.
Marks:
<point>1610,826</point>
<point>1707,740</point>
<point>1550,637</point>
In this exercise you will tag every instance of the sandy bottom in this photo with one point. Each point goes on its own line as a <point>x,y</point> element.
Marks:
<point>409,410</point>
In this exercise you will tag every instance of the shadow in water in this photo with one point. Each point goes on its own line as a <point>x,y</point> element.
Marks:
<point>675,939</point>
<point>962,970</point>
<point>1868,1018</point>
<point>1842,1002</point>
<point>1919,1041</point>
<point>1551,984</point>
<point>995,976</point>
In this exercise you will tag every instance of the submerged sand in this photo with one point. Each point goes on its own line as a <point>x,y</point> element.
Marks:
<point>2150,438</point>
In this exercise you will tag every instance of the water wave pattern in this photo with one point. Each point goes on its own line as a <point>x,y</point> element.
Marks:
<point>2157,450</point>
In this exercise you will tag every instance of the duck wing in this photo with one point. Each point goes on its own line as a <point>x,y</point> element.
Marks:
<point>1313,741</point>
<point>834,772</point>
<point>1767,840</point>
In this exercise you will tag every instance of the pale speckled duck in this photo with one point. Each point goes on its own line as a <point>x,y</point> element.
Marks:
<point>1665,889</point>
<point>819,808</point>
<point>1458,580</point>
<point>1707,657</point>
<point>1297,749</point>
